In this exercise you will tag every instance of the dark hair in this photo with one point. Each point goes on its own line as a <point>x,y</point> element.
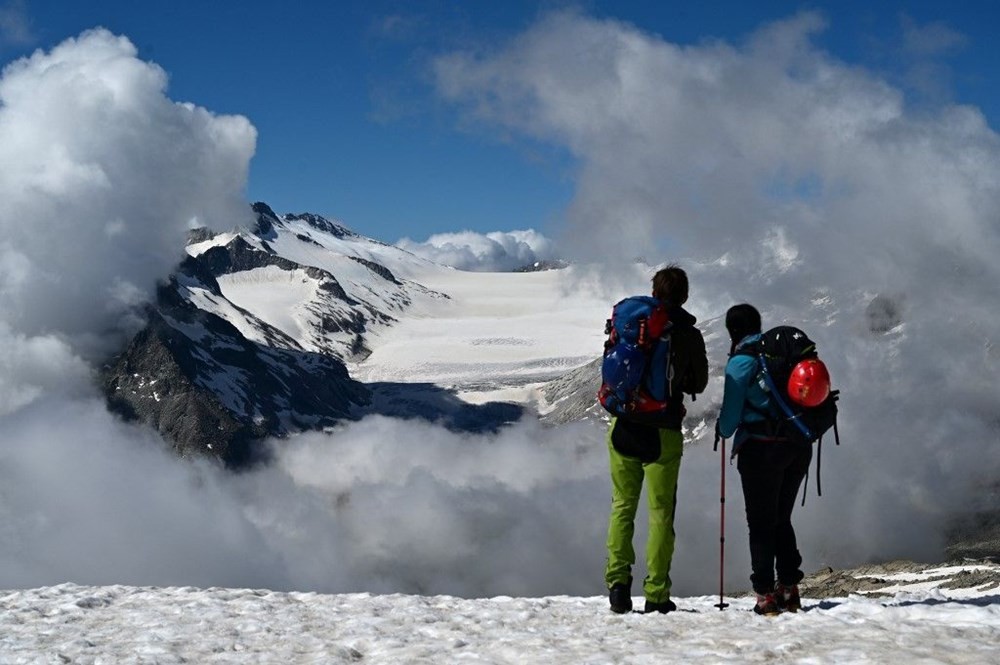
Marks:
<point>741,320</point>
<point>670,284</point>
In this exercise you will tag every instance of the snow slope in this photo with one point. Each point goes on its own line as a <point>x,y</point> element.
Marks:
<point>485,335</point>
<point>79,624</point>
<point>497,336</point>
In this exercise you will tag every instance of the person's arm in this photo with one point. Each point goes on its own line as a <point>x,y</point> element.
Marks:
<point>740,370</point>
<point>690,361</point>
<point>698,378</point>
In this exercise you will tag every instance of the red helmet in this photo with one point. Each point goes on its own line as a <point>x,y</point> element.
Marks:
<point>809,383</point>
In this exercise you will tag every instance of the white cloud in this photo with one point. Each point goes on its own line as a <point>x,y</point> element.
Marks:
<point>515,512</point>
<point>31,367</point>
<point>15,26</point>
<point>89,499</point>
<point>710,146</point>
<point>492,252</point>
<point>100,173</point>
<point>930,39</point>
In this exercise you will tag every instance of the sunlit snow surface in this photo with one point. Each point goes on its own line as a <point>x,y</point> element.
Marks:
<point>487,336</point>
<point>79,624</point>
<point>495,335</point>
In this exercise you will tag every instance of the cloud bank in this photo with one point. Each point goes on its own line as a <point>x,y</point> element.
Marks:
<point>101,176</point>
<point>492,252</point>
<point>785,177</point>
<point>703,149</point>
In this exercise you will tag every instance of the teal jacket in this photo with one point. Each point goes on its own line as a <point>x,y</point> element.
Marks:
<point>744,400</point>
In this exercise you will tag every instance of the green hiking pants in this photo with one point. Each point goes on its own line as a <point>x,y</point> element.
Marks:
<point>627,475</point>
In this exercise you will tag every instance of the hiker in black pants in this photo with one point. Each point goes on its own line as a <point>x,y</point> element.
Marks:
<point>771,469</point>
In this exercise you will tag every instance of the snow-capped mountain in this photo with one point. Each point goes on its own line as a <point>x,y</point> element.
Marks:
<point>252,335</point>
<point>248,338</point>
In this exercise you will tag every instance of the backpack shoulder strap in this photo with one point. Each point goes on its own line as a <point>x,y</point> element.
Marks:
<point>753,349</point>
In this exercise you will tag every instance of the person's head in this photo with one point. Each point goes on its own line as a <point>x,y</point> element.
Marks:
<point>741,320</point>
<point>670,285</point>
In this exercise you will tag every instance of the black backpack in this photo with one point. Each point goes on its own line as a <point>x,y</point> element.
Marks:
<point>778,351</point>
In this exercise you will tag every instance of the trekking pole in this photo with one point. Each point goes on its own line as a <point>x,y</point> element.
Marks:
<point>722,525</point>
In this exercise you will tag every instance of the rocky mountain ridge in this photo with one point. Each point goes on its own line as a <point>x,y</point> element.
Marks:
<point>216,378</point>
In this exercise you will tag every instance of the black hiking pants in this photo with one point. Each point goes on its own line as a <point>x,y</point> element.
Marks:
<point>771,474</point>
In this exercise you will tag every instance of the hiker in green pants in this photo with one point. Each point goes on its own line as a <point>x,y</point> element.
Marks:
<point>649,449</point>
<point>627,475</point>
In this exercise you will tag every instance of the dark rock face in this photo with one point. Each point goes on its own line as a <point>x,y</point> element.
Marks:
<point>378,269</point>
<point>210,391</point>
<point>199,234</point>
<point>977,535</point>
<point>266,220</point>
<point>152,382</point>
<point>538,266</point>
<point>323,224</point>
<point>239,255</point>
<point>575,395</point>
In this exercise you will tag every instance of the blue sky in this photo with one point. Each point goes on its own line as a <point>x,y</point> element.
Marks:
<point>351,126</point>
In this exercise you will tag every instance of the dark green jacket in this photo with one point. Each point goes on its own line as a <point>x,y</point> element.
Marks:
<point>688,356</point>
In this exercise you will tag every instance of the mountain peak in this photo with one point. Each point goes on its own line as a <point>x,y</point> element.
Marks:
<point>321,223</point>
<point>266,219</point>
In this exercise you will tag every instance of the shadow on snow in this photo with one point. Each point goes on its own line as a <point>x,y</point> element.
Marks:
<point>441,406</point>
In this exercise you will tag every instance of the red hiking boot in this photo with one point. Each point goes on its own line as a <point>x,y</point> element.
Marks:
<point>766,605</point>
<point>787,597</point>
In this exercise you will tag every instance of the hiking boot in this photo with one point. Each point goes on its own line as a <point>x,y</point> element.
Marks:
<point>621,597</point>
<point>766,605</point>
<point>787,597</point>
<point>664,607</point>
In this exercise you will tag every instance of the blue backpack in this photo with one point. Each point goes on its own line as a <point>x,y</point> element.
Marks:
<point>635,371</point>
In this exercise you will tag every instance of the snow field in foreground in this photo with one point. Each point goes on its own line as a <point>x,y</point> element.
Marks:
<point>166,625</point>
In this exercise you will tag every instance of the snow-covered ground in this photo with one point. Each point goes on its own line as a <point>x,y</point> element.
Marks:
<point>496,337</point>
<point>80,624</point>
